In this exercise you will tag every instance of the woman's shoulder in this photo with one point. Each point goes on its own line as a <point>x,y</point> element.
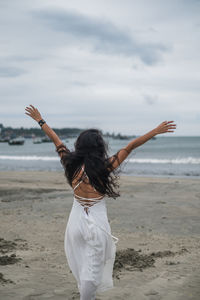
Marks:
<point>61,146</point>
<point>62,150</point>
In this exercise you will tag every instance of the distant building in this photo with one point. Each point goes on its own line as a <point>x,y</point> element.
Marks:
<point>1,128</point>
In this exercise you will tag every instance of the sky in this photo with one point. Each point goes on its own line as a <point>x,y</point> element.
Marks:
<point>119,66</point>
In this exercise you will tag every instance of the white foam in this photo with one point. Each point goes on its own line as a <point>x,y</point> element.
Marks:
<point>186,160</point>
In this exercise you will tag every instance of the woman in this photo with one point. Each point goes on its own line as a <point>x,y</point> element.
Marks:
<point>89,245</point>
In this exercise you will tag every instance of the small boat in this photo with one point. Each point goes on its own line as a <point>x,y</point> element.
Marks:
<point>4,140</point>
<point>17,141</point>
<point>46,140</point>
<point>120,137</point>
<point>37,141</point>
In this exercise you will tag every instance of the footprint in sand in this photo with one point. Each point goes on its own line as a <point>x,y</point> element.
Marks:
<point>153,295</point>
<point>33,296</point>
<point>50,296</point>
<point>151,292</point>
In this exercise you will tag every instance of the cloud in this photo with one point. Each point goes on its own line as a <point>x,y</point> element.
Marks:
<point>96,63</point>
<point>20,58</point>
<point>150,100</point>
<point>11,72</point>
<point>104,36</point>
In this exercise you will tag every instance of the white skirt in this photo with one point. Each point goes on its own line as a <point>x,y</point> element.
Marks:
<point>89,245</point>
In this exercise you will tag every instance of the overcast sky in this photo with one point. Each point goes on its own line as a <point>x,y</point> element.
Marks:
<point>120,66</point>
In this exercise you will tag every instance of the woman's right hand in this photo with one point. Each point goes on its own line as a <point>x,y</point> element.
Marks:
<point>165,126</point>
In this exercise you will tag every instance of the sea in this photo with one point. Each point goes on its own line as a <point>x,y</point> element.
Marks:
<point>163,157</point>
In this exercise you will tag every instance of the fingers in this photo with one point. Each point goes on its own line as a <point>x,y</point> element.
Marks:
<point>30,108</point>
<point>166,126</point>
<point>169,125</point>
<point>33,112</point>
<point>168,121</point>
<point>27,107</point>
<point>29,111</point>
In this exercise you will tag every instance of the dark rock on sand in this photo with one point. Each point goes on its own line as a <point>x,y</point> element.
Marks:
<point>3,280</point>
<point>6,246</point>
<point>130,259</point>
<point>9,260</point>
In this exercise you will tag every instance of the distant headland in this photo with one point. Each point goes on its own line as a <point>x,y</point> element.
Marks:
<point>7,133</point>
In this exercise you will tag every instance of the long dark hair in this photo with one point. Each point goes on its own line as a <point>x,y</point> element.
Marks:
<point>91,150</point>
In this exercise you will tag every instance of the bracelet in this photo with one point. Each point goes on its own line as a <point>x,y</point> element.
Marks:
<point>41,122</point>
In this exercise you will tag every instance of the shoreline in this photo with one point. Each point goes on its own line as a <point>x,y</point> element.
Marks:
<point>121,175</point>
<point>156,217</point>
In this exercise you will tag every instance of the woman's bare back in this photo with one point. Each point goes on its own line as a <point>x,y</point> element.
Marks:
<point>84,189</point>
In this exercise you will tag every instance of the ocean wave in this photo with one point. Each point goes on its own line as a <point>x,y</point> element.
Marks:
<point>186,160</point>
<point>32,157</point>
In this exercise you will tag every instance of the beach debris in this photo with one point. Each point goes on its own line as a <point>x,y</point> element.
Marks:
<point>163,253</point>
<point>151,292</point>
<point>75,295</point>
<point>9,260</point>
<point>9,246</point>
<point>169,262</point>
<point>3,280</point>
<point>131,259</point>
<point>6,246</point>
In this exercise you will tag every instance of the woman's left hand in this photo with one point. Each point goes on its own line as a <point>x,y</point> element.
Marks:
<point>33,113</point>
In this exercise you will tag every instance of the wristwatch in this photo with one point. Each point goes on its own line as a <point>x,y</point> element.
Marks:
<point>41,122</point>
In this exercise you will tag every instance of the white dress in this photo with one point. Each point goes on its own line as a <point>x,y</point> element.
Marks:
<point>90,247</point>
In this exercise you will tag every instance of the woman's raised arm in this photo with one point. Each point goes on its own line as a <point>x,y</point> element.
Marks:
<point>166,126</point>
<point>34,113</point>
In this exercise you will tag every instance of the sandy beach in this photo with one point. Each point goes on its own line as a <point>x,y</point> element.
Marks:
<point>155,219</point>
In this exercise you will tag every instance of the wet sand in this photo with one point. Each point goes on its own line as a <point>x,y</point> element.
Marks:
<point>155,219</point>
